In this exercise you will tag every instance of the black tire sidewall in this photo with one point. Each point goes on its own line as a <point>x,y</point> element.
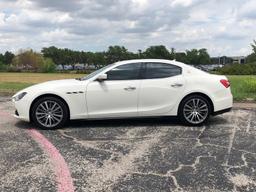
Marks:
<point>184,101</point>
<point>62,105</point>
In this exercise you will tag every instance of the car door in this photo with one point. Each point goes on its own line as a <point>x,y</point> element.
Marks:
<point>161,88</point>
<point>117,96</point>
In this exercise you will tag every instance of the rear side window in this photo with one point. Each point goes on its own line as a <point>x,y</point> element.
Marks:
<point>161,70</point>
<point>125,72</point>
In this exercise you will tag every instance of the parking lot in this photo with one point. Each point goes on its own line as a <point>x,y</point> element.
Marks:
<point>129,155</point>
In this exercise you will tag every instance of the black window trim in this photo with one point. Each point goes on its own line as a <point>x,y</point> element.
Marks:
<point>144,69</point>
<point>139,74</point>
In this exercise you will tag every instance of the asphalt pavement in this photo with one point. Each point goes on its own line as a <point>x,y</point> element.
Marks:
<point>129,155</point>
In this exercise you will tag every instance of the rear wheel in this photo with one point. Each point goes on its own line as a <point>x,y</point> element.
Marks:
<point>194,110</point>
<point>49,113</point>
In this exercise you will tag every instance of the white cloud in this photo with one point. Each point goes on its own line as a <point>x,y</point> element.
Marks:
<point>248,9</point>
<point>226,27</point>
<point>184,3</point>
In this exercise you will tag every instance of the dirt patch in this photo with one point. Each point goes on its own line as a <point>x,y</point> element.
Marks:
<point>244,105</point>
<point>241,180</point>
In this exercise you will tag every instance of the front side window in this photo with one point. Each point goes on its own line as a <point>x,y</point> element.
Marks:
<point>161,70</point>
<point>93,74</point>
<point>125,72</point>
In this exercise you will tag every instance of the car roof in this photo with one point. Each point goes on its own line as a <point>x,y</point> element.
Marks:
<point>186,68</point>
<point>152,61</point>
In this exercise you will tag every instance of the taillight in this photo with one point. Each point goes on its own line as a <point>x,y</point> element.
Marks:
<point>225,83</point>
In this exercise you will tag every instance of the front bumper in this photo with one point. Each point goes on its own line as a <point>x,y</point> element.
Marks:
<point>21,110</point>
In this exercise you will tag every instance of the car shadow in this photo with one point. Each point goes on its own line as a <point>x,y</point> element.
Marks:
<point>134,122</point>
<point>131,122</point>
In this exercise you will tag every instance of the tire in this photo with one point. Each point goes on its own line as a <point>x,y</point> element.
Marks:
<point>49,113</point>
<point>194,110</point>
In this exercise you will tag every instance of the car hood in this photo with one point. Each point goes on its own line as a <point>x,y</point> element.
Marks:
<point>54,85</point>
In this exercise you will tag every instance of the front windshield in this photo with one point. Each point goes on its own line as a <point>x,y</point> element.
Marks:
<point>96,72</point>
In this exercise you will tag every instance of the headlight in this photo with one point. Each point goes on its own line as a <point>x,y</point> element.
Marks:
<point>19,97</point>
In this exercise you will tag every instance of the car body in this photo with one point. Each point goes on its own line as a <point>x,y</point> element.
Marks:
<point>133,88</point>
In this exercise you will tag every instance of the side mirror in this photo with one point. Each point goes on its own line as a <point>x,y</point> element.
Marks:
<point>102,77</point>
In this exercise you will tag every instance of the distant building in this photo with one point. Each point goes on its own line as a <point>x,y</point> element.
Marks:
<point>239,60</point>
<point>59,67</point>
<point>223,60</point>
<point>79,66</point>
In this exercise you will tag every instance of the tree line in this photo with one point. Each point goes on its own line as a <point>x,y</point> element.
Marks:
<point>118,53</point>
<point>49,57</point>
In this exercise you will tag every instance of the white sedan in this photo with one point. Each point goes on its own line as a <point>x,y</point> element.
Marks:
<point>126,89</point>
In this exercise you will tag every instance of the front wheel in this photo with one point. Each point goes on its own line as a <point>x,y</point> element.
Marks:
<point>49,113</point>
<point>194,110</point>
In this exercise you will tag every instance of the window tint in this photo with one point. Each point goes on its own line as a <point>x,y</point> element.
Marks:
<point>161,70</point>
<point>125,72</point>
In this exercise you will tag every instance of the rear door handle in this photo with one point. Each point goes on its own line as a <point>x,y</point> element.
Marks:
<point>129,88</point>
<point>177,85</point>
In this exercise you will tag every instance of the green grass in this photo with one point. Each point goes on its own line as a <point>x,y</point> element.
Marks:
<point>35,77</point>
<point>13,82</point>
<point>243,87</point>
<point>12,87</point>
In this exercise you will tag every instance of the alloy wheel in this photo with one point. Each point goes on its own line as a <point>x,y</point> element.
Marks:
<point>195,110</point>
<point>49,113</point>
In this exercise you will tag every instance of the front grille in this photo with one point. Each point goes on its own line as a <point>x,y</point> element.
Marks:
<point>16,113</point>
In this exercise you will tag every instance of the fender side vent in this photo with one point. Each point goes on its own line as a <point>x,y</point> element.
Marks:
<point>75,92</point>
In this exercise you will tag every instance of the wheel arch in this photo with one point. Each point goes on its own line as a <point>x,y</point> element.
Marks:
<point>201,94</point>
<point>47,95</point>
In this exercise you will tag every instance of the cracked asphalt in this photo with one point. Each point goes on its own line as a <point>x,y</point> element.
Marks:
<point>133,155</point>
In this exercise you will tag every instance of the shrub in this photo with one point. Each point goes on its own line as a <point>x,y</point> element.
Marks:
<point>3,67</point>
<point>238,69</point>
<point>47,66</point>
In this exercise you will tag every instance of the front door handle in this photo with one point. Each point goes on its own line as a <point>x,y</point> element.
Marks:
<point>129,88</point>
<point>177,85</point>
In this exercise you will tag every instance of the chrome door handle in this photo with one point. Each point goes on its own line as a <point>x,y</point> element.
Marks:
<point>129,88</point>
<point>177,85</point>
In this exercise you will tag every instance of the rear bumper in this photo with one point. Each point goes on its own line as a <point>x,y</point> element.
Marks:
<point>223,103</point>
<point>222,111</point>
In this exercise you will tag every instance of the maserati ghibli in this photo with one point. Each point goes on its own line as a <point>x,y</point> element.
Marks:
<point>127,89</point>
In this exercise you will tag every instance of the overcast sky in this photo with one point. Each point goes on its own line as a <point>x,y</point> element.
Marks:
<point>224,27</point>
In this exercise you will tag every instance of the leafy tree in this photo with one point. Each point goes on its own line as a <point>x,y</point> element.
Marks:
<point>99,59</point>
<point>181,57</point>
<point>8,57</point>
<point>252,57</point>
<point>254,46</point>
<point>158,52</point>
<point>204,57</point>
<point>192,56</point>
<point>197,57</point>
<point>140,54</point>
<point>30,60</point>
<point>118,53</point>
<point>53,53</point>
<point>1,58</point>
